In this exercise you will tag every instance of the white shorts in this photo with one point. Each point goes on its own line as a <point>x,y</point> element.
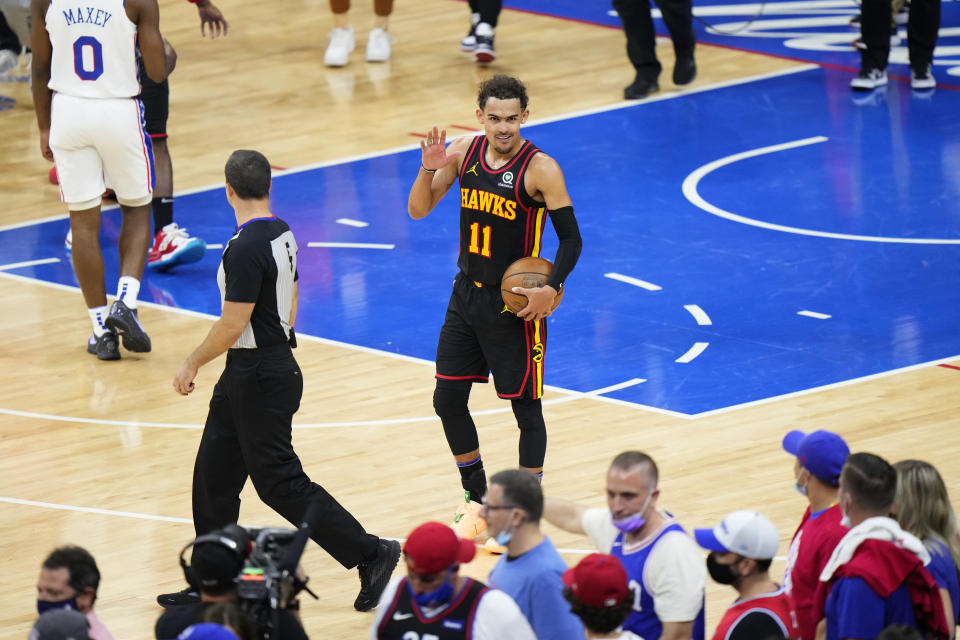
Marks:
<point>100,143</point>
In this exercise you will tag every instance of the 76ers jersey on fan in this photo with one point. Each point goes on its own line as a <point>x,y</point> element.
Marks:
<point>499,221</point>
<point>94,49</point>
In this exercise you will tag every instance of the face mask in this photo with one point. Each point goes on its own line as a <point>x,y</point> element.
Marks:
<point>800,488</point>
<point>722,573</point>
<point>504,537</point>
<point>845,520</point>
<point>635,521</point>
<point>440,595</point>
<point>46,605</point>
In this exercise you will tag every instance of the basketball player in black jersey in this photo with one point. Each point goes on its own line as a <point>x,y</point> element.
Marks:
<point>508,188</point>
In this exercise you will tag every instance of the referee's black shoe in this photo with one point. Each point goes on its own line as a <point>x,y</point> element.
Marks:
<point>375,574</point>
<point>178,599</point>
<point>124,321</point>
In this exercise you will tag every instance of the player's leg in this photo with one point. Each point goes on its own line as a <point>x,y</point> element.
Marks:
<point>378,41</point>
<point>489,11</point>
<point>128,167</point>
<point>171,245</point>
<point>641,47</point>
<point>341,38</point>
<point>81,186</point>
<point>875,32</point>
<point>678,16</point>
<point>9,47</point>
<point>469,41</point>
<point>533,434</point>
<point>923,26</point>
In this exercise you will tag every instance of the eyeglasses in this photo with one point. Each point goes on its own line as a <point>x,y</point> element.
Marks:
<point>490,507</point>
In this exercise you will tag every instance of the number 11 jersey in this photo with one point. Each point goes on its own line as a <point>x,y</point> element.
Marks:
<point>499,221</point>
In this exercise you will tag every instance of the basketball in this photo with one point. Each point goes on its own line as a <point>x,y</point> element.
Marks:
<point>526,272</point>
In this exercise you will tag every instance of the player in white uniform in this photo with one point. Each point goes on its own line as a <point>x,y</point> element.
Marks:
<point>91,125</point>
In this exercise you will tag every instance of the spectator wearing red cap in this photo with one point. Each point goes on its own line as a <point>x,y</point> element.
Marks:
<point>663,562</point>
<point>434,600</point>
<point>741,549</point>
<point>819,460</point>
<point>599,595</point>
<point>531,571</point>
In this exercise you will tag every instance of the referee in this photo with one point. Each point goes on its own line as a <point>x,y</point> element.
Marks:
<point>248,427</point>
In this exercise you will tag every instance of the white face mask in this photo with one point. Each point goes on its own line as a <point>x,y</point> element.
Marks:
<point>845,520</point>
<point>800,488</point>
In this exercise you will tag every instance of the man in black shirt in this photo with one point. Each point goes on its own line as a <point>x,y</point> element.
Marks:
<point>214,567</point>
<point>248,427</point>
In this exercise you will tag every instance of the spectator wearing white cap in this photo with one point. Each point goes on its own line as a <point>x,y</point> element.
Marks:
<point>663,562</point>
<point>741,549</point>
<point>816,469</point>
<point>599,594</point>
<point>434,600</point>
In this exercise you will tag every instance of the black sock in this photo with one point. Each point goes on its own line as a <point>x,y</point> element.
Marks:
<point>162,213</point>
<point>473,479</point>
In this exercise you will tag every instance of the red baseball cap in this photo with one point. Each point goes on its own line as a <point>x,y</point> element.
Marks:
<point>599,580</point>
<point>434,547</point>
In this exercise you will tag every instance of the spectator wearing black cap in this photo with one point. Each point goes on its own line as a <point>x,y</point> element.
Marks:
<point>876,576</point>
<point>434,600</point>
<point>816,469</point>
<point>600,596</point>
<point>214,567</point>
<point>741,549</point>
<point>69,579</point>
<point>60,624</point>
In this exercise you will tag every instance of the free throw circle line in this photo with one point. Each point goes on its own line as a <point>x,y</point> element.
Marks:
<point>690,192</point>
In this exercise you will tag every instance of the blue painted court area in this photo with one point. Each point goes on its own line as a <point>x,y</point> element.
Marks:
<point>705,308</point>
<point>813,30</point>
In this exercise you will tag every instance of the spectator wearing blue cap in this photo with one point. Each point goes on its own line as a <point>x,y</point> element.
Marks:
<point>820,456</point>
<point>741,549</point>
<point>207,631</point>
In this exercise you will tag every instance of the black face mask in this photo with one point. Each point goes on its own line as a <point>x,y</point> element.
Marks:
<point>722,573</point>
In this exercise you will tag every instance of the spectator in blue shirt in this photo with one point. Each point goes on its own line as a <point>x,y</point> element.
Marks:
<point>531,571</point>
<point>923,508</point>
<point>876,576</point>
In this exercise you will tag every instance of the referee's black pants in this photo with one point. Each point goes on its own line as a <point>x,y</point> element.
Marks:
<point>248,433</point>
<point>922,30</point>
<point>641,38</point>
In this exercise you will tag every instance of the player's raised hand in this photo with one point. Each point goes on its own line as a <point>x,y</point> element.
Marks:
<point>211,17</point>
<point>433,150</point>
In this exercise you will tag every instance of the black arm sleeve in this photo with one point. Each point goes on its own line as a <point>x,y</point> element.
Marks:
<point>568,232</point>
<point>756,625</point>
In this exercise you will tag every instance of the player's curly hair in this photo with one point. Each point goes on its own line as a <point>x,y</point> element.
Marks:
<point>502,87</point>
<point>600,619</point>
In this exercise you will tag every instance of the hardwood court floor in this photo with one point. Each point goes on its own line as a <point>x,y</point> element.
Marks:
<point>115,478</point>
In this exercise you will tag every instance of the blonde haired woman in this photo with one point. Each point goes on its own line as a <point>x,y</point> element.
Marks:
<point>922,507</point>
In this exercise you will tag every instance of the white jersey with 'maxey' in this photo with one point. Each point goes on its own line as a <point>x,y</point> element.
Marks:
<point>94,49</point>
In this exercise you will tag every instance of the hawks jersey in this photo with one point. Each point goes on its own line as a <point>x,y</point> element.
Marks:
<point>404,619</point>
<point>94,49</point>
<point>499,221</point>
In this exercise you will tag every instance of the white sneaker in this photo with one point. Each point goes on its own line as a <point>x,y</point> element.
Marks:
<point>469,41</point>
<point>9,60</point>
<point>484,52</point>
<point>341,44</point>
<point>922,78</point>
<point>378,45</point>
<point>869,80</point>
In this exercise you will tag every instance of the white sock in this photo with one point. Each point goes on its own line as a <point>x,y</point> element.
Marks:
<point>97,316</point>
<point>127,291</point>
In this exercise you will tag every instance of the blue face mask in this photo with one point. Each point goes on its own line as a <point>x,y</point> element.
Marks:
<point>440,595</point>
<point>46,605</point>
<point>504,537</point>
<point>635,521</point>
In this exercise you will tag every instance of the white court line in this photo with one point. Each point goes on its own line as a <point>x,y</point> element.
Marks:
<point>571,396</point>
<point>625,104</point>
<point>28,263</point>
<point>692,352</point>
<point>690,192</point>
<point>698,314</point>
<point>814,314</point>
<point>350,245</point>
<point>643,284</point>
<point>216,245</point>
<point>353,223</point>
<point>102,512</point>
